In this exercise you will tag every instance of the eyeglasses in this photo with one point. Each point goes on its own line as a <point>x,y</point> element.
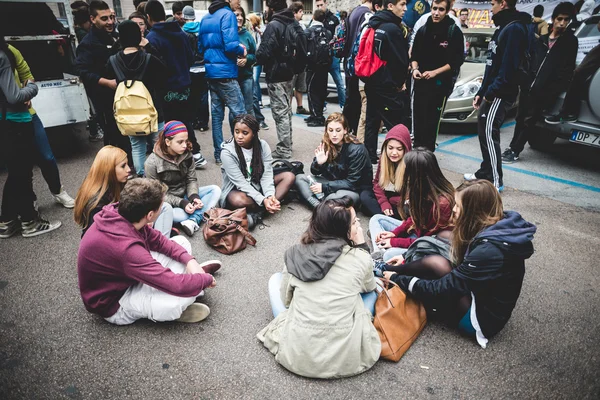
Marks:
<point>440,9</point>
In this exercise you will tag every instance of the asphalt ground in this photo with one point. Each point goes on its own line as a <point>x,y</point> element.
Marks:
<point>52,348</point>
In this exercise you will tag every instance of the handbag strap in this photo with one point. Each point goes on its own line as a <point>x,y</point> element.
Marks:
<point>249,238</point>
<point>384,286</point>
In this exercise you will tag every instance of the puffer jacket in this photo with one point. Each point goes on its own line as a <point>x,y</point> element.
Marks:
<point>179,175</point>
<point>351,170</point>
<point>219,41</point>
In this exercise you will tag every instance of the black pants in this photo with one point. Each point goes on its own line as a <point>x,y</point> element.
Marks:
<point>383,104</point>
<point>577,90</point>
<point>370,205</point>
<point>316,81</point>
<point>490,118</point>
<point>429,102</point>
<point>18,149</point>
<point>353,104</point>
<point>199,100</point>
<point>177,106</point>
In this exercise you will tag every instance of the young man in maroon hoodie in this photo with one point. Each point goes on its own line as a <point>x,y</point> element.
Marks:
<point>129,271</point>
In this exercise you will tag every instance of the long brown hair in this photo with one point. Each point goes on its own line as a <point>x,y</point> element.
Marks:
<point>389,171</point>
<point>331,219</point>
<point>101,179</point>
<point>329,147</point>
<point>480,206</point>
<point>423,185</point>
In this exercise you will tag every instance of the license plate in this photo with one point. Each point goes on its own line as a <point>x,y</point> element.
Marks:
<point>591,139</point>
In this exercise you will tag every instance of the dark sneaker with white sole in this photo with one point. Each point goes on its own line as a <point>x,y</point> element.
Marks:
<point>509,156</point>
<point>39,226</point>
<point>9,228</point>
<point>560,118</point>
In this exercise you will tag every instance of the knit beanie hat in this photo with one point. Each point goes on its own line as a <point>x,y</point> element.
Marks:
<point>130,34</point>
<point>188,13</point>
<point>172,128</point>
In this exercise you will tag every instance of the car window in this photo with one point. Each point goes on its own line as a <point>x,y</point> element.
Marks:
<point>589,29</point>
<point>588,36</point>
<point>477,47</point>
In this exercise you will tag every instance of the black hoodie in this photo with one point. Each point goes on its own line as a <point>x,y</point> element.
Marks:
<point>154,77</point>
<point>271,49</point>
<point>391,45</point>
<point>492,273</point>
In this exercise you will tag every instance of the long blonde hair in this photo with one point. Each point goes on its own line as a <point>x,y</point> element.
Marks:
<point>101,179</point>
<point>389,171</point>
<point>480,207</point>
<point>330,147</point>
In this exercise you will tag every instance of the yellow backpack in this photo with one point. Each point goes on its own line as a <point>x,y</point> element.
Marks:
<point>133,107</point>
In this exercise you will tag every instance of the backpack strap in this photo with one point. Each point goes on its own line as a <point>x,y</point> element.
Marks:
<point>115,62</point>
<point>140,75</point>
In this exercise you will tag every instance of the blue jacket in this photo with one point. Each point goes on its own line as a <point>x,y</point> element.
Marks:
<point>219,41</point>
<point>174,46</point>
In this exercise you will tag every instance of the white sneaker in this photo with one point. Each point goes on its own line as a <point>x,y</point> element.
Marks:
<point>189,226</point>
<point>195,312</point>
<point>199,160</point>
<point>64,199</point>
<point>469,177</point>
<point>39,226</point>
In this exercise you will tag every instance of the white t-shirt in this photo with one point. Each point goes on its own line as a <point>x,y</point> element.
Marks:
<point>248,157</point>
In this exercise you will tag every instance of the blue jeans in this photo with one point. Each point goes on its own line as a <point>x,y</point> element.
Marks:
<point>209,195</point>
<point>277,305</point>
<point>382,223</point>
<point>46,160</point>
<point>223,93</point>
<point>247,88</point>
<point>336,74</point>
<point>257,101</point>
<point>164,222</point>
<point>139,145</point>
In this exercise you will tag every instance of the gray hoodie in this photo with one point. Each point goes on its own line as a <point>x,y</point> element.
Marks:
<point>11,95</point>
<point>233,179</point>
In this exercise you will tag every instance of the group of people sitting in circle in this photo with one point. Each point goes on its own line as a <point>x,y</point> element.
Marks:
<point>323,301</point>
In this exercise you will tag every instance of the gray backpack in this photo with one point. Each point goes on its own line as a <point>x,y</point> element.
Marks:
<point>427,246</point>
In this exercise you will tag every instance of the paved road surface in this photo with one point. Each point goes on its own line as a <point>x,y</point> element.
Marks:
<point>51,348</point>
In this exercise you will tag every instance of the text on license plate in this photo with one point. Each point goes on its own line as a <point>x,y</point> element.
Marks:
<point>591,139</point>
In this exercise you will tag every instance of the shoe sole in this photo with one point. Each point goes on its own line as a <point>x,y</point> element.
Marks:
<point>508,161</point>
<point>211,271</point>
<point>9,235</point>
<point>201,164</point>
<point>38,233</point>
<point>187,230</point>
<point>65,205</point>
<point>195,312</point>
<point>553,122</point>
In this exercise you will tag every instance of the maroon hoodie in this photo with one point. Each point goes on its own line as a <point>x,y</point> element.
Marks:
<point>113,256</point>
<point>401,134</point>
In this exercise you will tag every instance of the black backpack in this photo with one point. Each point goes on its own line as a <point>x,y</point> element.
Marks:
<point>280,166</point>
<point>293,53</point>
<point>525,71</point>
<point>318,52</point>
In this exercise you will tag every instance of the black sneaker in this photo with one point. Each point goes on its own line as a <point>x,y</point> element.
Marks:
<point>301,110</point>
<point>199,160</point>
<point>307,120</point>
<point>264,126</point>
<point>509,156</point>
<point>9,228</point>
<point>254,219</point>
<point>560,118</point>
<point>39,226</point>
<point>317,122</point>
<point>379,267</point>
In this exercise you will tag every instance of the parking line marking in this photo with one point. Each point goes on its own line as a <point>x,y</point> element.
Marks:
<point>465,137</point>
<point>527,172</point>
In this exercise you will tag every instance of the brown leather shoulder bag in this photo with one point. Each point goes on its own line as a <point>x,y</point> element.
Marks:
<point>227,231</point>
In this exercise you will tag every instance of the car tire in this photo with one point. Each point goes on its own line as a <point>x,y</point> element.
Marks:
<point>541,139</point>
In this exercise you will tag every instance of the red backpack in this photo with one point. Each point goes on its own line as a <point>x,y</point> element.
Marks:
<point>367,61</point>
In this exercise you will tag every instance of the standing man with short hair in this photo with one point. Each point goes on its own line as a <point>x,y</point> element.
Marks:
<point>177,8</point>
<point>436,59</point>
<point>383,88</point>
<point>220,43</point>
<point>464,18</point>
<point>500,86</point>
<point>299,82</point>
<point>282,36</point>
<point>317,74</point>
<point>173,46</point>
<point>538,20</point>
<point>330,22</point>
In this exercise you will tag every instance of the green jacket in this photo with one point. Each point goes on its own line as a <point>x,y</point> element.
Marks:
<point>247,40</point>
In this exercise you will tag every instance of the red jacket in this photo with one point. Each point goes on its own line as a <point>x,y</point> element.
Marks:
<point>401,134</point>
<point>433,226</point>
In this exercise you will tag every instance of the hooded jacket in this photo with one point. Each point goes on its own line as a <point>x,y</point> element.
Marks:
<point>391,45</point>
<point>247,40</point>
<point>219,41</point>
<point>389,199</point>
<point>492,273</point>
<point>234,179</point>
<point>507,48</point>
<point>351,170</point>
<point>12,96</point>
<point>132,65</point>
<point>270,52</point>
<point>179,175</point>
<point>330,22</point>
<point>174,46</point>
<point>326,332</point>
<point>113,256</point>
<point>435,45</point>
<point>554,66</point>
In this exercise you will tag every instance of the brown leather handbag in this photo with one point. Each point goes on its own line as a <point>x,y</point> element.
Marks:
<point>399,319</point>
<point>227,231</point>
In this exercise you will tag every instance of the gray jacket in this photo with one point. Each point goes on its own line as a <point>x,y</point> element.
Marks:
<point>179,175</point>
<point>233,178</point>
<point>11,95</point>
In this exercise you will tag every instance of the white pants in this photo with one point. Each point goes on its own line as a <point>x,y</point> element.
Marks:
<point>143,301</point>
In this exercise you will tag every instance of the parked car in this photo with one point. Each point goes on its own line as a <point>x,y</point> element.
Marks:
<point>586,130</point>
